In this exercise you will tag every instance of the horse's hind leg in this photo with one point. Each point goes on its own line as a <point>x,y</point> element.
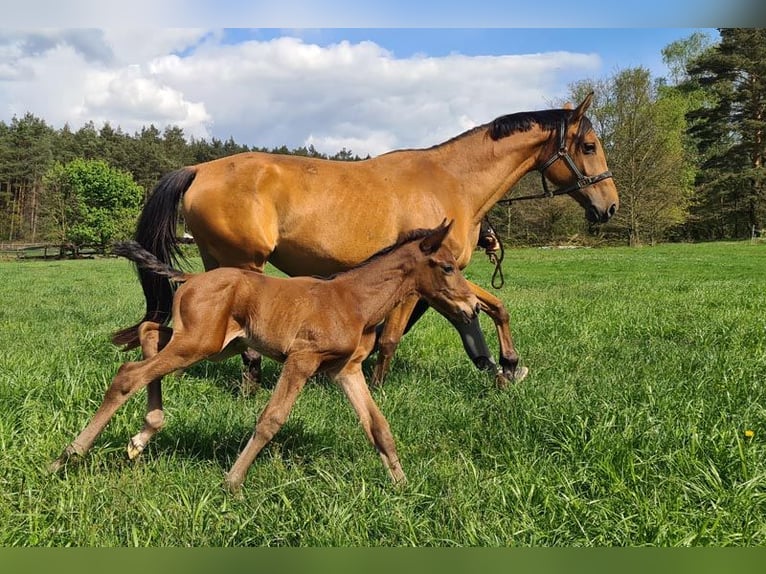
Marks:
<point>153,337</point>
<point>251,375</point>
<point>389,338</point>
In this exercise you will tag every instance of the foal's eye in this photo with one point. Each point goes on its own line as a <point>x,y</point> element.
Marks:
<point>448,269</point>
<point>589,147</point>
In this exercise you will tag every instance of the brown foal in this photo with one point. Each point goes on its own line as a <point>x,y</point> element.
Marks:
<point>310,324</point>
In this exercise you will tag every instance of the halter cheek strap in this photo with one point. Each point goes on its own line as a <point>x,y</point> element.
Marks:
<point>582,182</point>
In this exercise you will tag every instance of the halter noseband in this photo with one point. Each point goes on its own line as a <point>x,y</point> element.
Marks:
<point>582,182</point>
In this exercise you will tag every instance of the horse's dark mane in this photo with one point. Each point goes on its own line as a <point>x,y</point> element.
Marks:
<point>520,122</point>
<point>509,124</point>
<point>407,237</point>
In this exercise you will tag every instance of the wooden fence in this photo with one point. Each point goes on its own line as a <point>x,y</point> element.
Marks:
<point>45,251</point>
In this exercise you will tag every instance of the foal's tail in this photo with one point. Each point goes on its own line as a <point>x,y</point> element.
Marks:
<point>156,233</point>
<point>147,261</point>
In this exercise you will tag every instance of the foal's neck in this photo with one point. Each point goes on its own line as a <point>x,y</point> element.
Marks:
<point>381,284</point>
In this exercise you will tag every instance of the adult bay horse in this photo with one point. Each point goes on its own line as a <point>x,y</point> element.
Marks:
<point>311,216</point>
<point>309,324</point>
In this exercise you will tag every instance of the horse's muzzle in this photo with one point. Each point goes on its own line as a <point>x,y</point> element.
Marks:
<point>594,215</point>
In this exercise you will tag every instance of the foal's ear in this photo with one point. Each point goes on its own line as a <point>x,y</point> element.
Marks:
<point>433,240</point>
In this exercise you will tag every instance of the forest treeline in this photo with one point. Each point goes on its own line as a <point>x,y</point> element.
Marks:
<point>687,153</point>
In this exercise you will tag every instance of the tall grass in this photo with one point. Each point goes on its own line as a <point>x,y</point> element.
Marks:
<point>642,421</point>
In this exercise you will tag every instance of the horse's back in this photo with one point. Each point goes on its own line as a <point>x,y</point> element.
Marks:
<point>310,216</point>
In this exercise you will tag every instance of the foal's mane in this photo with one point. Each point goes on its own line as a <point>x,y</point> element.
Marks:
<point>405,237</point>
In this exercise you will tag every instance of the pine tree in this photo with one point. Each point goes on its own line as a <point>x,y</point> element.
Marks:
<point>729,132</point>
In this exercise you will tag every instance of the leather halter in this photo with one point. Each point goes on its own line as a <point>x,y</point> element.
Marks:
<point>582,182</point>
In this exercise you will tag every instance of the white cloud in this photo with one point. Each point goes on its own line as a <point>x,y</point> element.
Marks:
<point>272,93</point>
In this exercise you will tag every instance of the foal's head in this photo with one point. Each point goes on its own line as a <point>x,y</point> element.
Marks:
<point>439,280</point>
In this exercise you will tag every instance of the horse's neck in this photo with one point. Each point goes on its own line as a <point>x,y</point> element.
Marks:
<point>379,286</point>
<point>489,168</point>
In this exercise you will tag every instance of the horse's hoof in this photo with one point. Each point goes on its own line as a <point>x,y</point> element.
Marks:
<point>504,377</point>
<point>249,383</point>
<point>520,374</point>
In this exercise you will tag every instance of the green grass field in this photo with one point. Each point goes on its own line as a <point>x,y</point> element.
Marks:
<point>642,422</point>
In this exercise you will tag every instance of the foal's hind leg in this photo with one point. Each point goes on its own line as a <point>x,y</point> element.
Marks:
<point>251,359</point>
<point>153,337</point>
<point>130,378</point>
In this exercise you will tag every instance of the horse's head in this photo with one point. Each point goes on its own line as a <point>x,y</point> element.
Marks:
<point>578,165</point>
<point>439,279</point>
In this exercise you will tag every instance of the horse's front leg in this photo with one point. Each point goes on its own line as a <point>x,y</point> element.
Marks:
<point>509,358</point>
<point>251,375</point>
<point>389,338</point>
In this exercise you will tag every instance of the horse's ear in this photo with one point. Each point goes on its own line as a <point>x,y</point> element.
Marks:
<point>582,108</point>
<point>433,240</point>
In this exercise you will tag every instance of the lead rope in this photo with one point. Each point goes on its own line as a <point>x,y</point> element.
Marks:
<point>497,259</point>
<point>494,250</point>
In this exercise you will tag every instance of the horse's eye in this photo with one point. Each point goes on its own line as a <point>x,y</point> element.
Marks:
<point>589,147</point>
<point>448,269</point>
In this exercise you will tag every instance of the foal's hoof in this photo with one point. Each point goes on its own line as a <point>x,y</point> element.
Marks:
<point>135,448</point>
<point>69,455</point>
<point>233,485</point>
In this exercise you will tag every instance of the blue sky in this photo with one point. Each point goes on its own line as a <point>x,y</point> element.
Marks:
<point>368,90</point>
<point>618,47</point>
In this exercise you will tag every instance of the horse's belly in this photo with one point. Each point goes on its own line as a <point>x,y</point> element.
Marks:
<point>296,260</point>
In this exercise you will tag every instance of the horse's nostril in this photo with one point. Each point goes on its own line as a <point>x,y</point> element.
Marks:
<point>612,210</point>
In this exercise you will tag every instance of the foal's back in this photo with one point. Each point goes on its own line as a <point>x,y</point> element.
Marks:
<point>275,315</point>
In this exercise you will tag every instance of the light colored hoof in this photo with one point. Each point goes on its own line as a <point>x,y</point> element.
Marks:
<point>135,448</point>
<point>502,379</point>
<point>520,374</point>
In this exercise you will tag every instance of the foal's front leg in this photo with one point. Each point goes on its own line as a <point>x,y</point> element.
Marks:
<point>375,425</point>
<point>295,372</point>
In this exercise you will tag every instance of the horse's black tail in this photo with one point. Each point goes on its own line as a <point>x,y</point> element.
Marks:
<point>156,232</point>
